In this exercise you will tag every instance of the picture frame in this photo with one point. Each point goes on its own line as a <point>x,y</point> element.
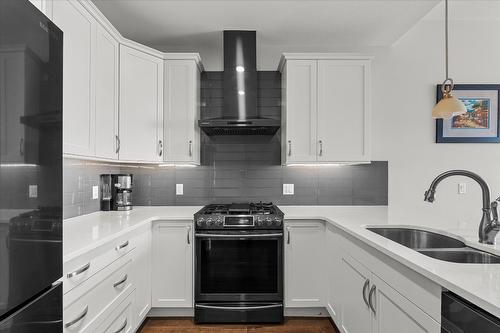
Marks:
<point>481,123</point>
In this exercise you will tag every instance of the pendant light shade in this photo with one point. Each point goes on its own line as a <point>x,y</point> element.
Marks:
<point>449,105</point>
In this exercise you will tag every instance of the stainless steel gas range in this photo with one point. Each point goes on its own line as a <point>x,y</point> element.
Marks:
<point>239,264</point>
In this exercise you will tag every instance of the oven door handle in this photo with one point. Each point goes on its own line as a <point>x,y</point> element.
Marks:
<point>238,307</point>
<point>280,234</point>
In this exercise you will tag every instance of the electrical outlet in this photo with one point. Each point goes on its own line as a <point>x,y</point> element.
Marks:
<point>179,189</point>
<point>288,189</point>
<point>33,191</point>
<point>462,188</point>
<point>95,192</point>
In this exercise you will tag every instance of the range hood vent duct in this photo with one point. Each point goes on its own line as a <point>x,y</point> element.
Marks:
<point>240,115</point>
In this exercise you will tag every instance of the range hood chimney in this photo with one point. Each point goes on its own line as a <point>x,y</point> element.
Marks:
<point>240,115</point>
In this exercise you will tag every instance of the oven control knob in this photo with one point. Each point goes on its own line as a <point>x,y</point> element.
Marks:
<point>200,221</point>
<point>210,221</point>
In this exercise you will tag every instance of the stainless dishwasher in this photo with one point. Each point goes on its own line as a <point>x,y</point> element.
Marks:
<point>460,316</point>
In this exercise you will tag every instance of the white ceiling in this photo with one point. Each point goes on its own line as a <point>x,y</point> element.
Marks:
<point>196,25</point>
<point>285,22</point>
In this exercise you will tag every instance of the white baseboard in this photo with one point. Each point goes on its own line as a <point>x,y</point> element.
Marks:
<point>306,312</point>
<point>171,312</point>
<point>189,312</point>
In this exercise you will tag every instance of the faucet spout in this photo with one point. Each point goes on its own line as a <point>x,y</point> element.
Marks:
<point>489,226</point>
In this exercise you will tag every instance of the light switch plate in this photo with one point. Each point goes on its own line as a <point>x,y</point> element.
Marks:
<point>288,189</point>
<point>462,188</point>
<point>179,189</point>
<point>33,191</point>
<point>95,192</point>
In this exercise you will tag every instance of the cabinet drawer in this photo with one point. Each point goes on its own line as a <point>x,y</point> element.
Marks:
<point>121,319</point>
<point>80,269</point>
<point>86,302</point>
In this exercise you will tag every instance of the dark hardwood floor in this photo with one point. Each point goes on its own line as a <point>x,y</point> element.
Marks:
<point>186,325</point>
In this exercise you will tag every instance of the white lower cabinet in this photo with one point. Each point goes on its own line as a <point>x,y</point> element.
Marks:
<point>121,320</point>
<point>370,305</point>
<point>141,271</point>
<point>333,260</point>
<point>305,281</point>
<point>172,271</point>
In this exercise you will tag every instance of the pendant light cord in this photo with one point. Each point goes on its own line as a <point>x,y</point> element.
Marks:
<point>447,85</point>
<point>446,37</point>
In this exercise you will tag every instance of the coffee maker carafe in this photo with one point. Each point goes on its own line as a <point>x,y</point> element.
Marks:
<point>116,192</point>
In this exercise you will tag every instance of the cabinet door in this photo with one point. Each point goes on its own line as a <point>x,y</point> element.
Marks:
<point>106,94</point>
<point>141,106</point>
<point>181,130</point>
<point>343,111</point>
<point>333,261</point>
<point>355,312</point>
<point>395,313</point>
<point>305,281</point>
<point>142,276</point>
<point>172,274</point>
<point>78,100</point>
<point>300,111</point>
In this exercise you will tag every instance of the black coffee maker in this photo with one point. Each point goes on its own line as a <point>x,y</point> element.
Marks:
<point>116,192</point>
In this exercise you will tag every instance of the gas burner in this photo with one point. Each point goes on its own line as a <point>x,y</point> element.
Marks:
<point>240,215</point>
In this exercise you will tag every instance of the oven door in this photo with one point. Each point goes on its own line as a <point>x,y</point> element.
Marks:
<point>238,266</point>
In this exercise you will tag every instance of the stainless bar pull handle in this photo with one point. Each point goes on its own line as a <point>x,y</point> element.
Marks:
<point>320,148</point>
<point>21,146</point>
<point>188,235</point>
<point>122,281</point>
<point>160,148</point>
<point>124,325</point>
<point>121,246</point>
<point>239,236</point>
<point>370,299</point>
<point>118,144</point>
<point>190,148</point>
<point>288,235</point>
<point>289,147</point>
<point>200,306</point>
<point>78,318</point>
<point>365,286</point>
<point>79,271</point>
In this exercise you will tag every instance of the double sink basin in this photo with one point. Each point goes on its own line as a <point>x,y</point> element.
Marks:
<point>436,245</point>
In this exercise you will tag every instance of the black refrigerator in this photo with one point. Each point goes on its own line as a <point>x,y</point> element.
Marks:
<point>31,59</point>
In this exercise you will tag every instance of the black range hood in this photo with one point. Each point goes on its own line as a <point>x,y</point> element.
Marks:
<point>240,115</point>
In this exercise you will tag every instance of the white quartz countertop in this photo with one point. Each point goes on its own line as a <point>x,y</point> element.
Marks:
<point>480,284</point>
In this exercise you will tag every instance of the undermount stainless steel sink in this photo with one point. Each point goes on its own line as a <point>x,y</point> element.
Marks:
<point>436,245</point>
<point>417,239</point>
<point>463,256</point>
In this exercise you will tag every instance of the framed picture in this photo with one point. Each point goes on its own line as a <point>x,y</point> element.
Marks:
<point>480,124</point>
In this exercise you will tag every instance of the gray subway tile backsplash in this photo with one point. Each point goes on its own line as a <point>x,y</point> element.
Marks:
<point>234,168</point>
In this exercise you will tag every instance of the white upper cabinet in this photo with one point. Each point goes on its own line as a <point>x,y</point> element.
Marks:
<point>78,76</point>
<point>141,106</point>
<point>106,94</point>
<point>326,108</point>
<point>305,281</point>
<point>300,116</point>
<point>181,111</point>
<point>343,119</point>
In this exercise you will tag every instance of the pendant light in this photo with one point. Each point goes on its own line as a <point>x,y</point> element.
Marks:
<point>449,105</point>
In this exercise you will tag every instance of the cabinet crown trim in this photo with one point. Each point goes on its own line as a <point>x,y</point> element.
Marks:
<point>321,56</point>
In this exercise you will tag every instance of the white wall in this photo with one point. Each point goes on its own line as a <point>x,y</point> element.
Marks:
<point>403,131</point>
<point>404,80</point>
